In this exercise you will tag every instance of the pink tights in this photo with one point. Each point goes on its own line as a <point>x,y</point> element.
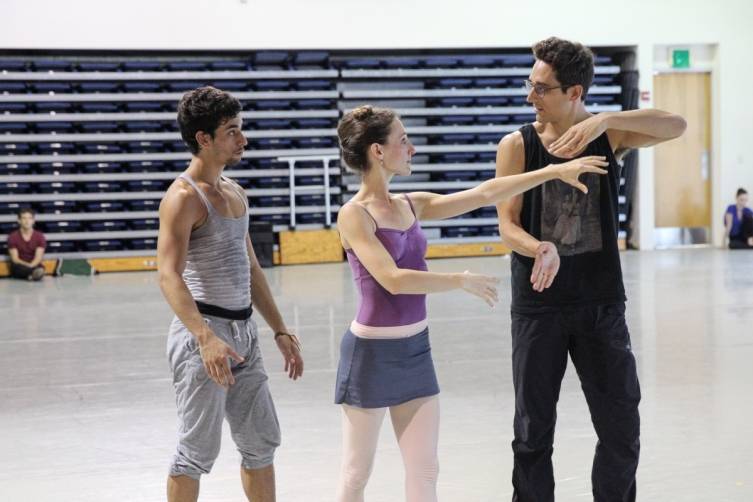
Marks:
<point>416,425</point>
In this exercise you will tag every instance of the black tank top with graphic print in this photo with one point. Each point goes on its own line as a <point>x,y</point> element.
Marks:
<point>582,226</point>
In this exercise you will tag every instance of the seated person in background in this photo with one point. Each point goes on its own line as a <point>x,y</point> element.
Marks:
<point>738,222</point>
<point>26,248</point>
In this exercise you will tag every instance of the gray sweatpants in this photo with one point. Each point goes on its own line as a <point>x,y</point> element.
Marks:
<point>202,404</point>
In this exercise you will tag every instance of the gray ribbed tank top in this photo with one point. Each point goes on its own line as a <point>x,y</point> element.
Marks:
<point>217,264</point>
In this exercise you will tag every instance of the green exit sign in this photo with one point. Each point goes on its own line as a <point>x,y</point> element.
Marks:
<point>681,58</point>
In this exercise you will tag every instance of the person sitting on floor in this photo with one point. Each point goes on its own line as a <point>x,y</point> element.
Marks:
<point>26,248</point>
<point>738,222</point>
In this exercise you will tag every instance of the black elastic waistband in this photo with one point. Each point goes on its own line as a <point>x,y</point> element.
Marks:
<point>233,315</point>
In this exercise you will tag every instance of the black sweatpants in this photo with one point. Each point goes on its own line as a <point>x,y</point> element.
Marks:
<point>22,271</point>
<point>741,241</point>
<point>598,342</point>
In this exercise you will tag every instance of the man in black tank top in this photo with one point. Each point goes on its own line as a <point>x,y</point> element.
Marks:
<point>567,290</point>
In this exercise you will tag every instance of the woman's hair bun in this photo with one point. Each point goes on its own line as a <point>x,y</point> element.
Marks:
<point>363,112</point>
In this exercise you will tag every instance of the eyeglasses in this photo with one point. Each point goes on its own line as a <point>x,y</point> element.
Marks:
<point>541,89</point>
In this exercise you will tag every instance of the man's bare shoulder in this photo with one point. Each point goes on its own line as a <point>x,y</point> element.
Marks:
<point>512,142</point>
<point>182,198</point>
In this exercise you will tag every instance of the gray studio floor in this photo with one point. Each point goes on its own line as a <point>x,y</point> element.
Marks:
<point>87,411</point>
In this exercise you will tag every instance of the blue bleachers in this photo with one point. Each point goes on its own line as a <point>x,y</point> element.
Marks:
<point>455,139</point>
<point>143,244</point>
<point>56,167</point>
<point>142,66</point>
<point>451,102</point>
<point>228,66</point>
<point>90,148</point>
<point>104,206</point>
<point>518,60</point>
<point>103,186</point>
<point>103,245</point>
<point>274,104</point>
<point>142,86</point>
<point>15,188</point>
<point>362,64</point>
<point>480,61</point>
<point>273,123</point>
<point>272,201</point>
<point>230,85</point>
<point>53,127</point>
<point>149,166</point>
<point>98,66</point>
<point>318,142</point>
<point>102,167</point>
<point>12,65</point>
<point>312,59</point>
<point>106,226</point>
<point>143,106</point>
<point>441,62</point>
<point>492,119</point>
<point>60,247</point>
<point>456,120</point>
<point>455,157</point>
<point>14,168</point>
<point>492,82</point>
<point>183,86</point>
<point>144,224</point>
<point>15,148</point>
<point>57,206</point>
<point>292,105</point>
<point>143,205</point>
<point>454,83</point>
<point>13,128</point>
<point>187,66</point>
<point>314,104</point>
<point>272,143</point>
<point>91,127</point>
<point>492,101</point>
<point>488,138</point>
<point>53,107</point>
<point>314,123</point>
<point>13,107</point>
<point>12,87</point>
<point>143,126</point>
<point>51,87</point>
<point>603,80</point>
<point>147,185</point>
<point>56,187</point>
<point>98,86</point>
<point>145,146</point>
<point>270,59</point>
<point>56,148</point>
<point>62,226</point>
<point>51,65</point>
<point>272,85</point>
<point>402,62</point>
<point>99,107</point>
<point>314,85</point>
<point>10,207</point>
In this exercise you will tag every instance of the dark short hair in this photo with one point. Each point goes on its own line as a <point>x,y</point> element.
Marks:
<point>204,109</point>
<point>25,210</point>
<point>573,63</point>
<point>358,130</point>
<point>741,191</point>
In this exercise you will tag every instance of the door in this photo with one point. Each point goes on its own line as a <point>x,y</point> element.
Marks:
<point>682,167</point>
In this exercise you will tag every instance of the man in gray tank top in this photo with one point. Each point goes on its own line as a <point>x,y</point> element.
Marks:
<point>209,274</point>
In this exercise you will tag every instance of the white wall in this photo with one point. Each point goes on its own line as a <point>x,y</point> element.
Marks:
<point>252,24</point>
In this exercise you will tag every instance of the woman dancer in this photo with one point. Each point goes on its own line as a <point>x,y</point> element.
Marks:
<point>385,357</point>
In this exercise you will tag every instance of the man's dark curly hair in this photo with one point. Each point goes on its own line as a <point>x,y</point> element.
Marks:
<point>573,63</point>
<point>204,109</point>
